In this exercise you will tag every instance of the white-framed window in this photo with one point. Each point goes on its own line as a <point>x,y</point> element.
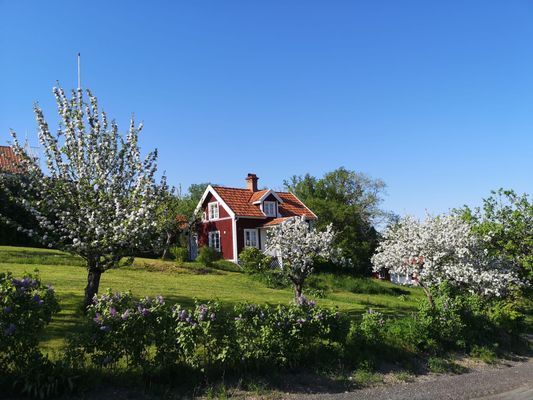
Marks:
<point>270,208</point>
<point>214,240</point>
<point>213,210</point>
<point>250,238</point>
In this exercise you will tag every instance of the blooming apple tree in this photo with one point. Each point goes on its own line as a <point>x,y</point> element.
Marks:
<point>297,246</point>
<point>441,249</point>
<point>97,198</point>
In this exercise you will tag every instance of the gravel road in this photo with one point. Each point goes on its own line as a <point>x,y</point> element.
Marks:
<point>513,382</point>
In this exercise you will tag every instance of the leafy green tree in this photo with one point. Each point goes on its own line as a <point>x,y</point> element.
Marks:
<point>506,218</point>
<point>176,217</point>
<point>350,201</point>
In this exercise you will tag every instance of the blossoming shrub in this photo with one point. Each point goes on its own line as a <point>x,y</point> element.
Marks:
<point>200,338</point>
<point>372,327</point>
<point>26,307</point>
<point>121,329</point>
<point>284,335</point>
<point>150,335</point>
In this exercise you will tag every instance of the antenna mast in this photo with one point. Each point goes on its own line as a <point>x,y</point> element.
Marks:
<point>79,71</point>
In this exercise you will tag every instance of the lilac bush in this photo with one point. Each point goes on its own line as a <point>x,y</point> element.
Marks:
<point>150,334</point>
<point>121,328</point>
<point>282,335</point>
<point>26,307</point>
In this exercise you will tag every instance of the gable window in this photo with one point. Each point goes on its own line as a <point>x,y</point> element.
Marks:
<point>250,238</point>
<point>214,240</point>
<point>213,210</point>
<point>270,208</point>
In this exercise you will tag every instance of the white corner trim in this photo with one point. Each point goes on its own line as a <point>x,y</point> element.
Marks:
<point>234,239</point>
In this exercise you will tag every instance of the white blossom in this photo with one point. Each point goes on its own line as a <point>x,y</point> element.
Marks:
<point>98,197</point>
<point>442,249</point>
<point>297,245</point>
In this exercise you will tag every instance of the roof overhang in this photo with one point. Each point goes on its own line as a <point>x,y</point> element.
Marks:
<point>266,194</point>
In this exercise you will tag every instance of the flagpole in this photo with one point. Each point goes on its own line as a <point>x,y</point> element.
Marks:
<point>79,71</point>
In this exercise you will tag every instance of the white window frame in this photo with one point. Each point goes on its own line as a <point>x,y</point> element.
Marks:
<point>256,233</point>
<point>273,205</point>
<point>210,239</point>
<point>211,214</point>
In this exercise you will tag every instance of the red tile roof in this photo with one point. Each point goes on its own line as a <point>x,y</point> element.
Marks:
<point>9,161</point>
<point>241,203</point>
<point>257,195</point>
<point>275,221</point>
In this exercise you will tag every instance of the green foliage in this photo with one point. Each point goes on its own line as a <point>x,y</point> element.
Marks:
<point>180,254</point>
<point>26,307</point>
<point>257,264</point>
<point>372,327</point>
<point>44,378</point>
<point>9,235</point>
<point>442,325</point>
<point>506,220</point>
<point>285,335</point>
<point>121,328</point>
<point>442,366</point>
<point>207,255</point>
<point>484,353</point>
<point>350,201</point>
<point>253,260</point>
<point>150,335</point>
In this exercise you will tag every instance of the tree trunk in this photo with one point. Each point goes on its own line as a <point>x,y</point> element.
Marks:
<point>298,289</point>
<point>429,296</point>
<point>93,282</point>
<point>167,246</point>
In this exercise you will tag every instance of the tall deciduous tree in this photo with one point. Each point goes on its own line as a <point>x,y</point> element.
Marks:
<point>506,218</point>
<point>176,219</point>
<point>350,201</point>
<point>443,249</point>
<point>98,197</point>
<point>298,246</point>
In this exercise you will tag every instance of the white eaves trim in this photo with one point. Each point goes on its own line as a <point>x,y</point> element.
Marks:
<point>211,189</point>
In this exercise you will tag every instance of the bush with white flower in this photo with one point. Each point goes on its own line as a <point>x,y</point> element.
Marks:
<point>443,249</point>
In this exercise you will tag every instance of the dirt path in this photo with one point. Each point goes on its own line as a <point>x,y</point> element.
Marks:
<point>513,381</point>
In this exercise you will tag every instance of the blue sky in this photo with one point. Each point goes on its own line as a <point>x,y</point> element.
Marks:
<point>435,98</point>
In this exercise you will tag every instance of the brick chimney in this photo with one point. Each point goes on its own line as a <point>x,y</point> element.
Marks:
<point>251,182</point>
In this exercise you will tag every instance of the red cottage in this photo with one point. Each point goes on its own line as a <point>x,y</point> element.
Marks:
<point>237,218</point>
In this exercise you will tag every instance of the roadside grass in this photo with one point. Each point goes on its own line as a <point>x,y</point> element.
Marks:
<point>186,281</point>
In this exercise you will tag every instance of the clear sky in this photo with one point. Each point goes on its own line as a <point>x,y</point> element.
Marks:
<point>435,98</point>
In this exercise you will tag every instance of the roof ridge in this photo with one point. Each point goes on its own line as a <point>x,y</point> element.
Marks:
<point>235,188</point>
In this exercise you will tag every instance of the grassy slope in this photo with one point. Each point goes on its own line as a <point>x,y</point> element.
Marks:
<point>183,283</point>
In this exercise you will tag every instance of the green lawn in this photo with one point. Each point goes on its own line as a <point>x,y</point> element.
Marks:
<point>188,281</point>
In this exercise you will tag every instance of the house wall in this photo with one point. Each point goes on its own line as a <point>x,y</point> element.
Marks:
<point>222,212</point>
<point>223,225</point>
<point>247,223</point>
<point>225,228</point>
